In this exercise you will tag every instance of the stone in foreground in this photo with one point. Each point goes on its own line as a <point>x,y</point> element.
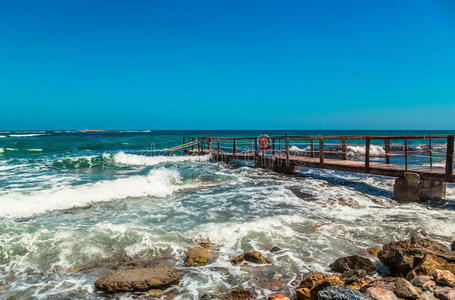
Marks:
<point>444,277</point>
<point>198,257</point>
<point>253,257</point>
<point>312,284</point>
<point>380,294</point>
<point>446,293</point>
<point>142,279</point>
<point>341,293</point>
<point>353,263</point>
<point>404,289</point>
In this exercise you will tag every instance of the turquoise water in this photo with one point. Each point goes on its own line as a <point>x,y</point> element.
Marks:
<point>97,201</point>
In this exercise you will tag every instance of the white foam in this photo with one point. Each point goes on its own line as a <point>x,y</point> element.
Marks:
<point>159,183</point>
<point>35,150</point>
<point>375,150</point>
<point>27,135</point>
<point>142,160</point>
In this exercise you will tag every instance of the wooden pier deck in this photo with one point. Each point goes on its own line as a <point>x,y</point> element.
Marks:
<point>431,156</point>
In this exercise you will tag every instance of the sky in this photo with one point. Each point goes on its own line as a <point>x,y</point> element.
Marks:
<point>168,64</point>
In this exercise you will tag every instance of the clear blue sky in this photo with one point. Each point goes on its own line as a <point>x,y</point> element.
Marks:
<point>322,64</point>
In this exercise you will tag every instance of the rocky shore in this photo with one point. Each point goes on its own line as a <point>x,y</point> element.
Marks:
<point>416,268</point>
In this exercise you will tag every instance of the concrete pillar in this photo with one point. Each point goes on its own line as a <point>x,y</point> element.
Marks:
<point>412,188</point>
<point>275,165</point>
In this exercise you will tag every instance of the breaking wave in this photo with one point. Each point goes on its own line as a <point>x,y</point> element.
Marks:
<point>158,183</point>
<point>142,160</point>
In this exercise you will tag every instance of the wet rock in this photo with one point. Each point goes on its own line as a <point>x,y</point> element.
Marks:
<point>372,252</point>
<point>354,279</point>
<point>238,295</point>
<point>275,249</point>
<point>404,289</point>
<point>444,277</point>
<point>341,293</point>
<point>445,293</point>
<point>421,280</point>
<point>253,257</point>
<point>430,263</point>
<point>198,257</point>
<point>427,296</point>
<point>142,279</point>
<point>312,284</point>
<point>354,263</point>
<point>156,292</point>
<point>309,260</point>
<point>452,246</point>
<point>380,294</point>
<point>401,257</point>
<point>278,297</point>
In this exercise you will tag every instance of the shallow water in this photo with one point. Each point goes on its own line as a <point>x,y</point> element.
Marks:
<point>97,202</point>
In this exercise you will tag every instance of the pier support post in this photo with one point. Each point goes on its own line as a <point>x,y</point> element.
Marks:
<point>277,165</point>
<point>413,188</point>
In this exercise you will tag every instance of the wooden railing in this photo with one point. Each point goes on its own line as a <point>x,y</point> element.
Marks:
<point>414,151</point>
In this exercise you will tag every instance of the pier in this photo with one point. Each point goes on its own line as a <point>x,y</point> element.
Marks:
<point>421,164</point>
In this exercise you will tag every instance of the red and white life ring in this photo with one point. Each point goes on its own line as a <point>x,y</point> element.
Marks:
<point>265,142</point>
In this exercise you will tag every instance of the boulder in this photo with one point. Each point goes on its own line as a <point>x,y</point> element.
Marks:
<point>452,246</point>
<point>312,284</point>
<point>421,280</point>
<point>444,277</point>
<point>341,293</point>
<point>401,257</point>
<point>198,257</point>
<point>430,263</point>
<point>427,296</point>
<point>275,249</point>
<point>238,295</point>
<point>253,257</point>
<point>141,279</point>
<point>355,263</point>
<point>404,289</point>
<point>354,279</point>
<point>445,293</point>
<point>156,292</point>
<point>380,294</point>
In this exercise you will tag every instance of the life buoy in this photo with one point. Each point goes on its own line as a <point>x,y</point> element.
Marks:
<point>264,142</point>
<point>209,142</point>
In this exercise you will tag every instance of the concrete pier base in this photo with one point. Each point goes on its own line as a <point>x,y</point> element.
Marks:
<point>412,188</point>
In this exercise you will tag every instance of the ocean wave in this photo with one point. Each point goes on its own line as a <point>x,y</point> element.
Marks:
<point>142,160</point>
<point>35,150</point>
<point>158,183</point>
<point>27,135</point>
<point>85,162</point>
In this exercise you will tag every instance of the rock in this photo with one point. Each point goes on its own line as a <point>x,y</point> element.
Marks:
<point>372,252</point>
<point>430,263</point>
<point>354,263</point>
<point>253,257</point>
<point>404,289</point>
<point>156,292</point>
<point>401,257</point>
<point>198,257</point>
<point>354,279</point>
<point>380,294</point>
<point>275,249</point>
<point>312,284</point>
<point>445,293</point>
<point>452,246</point>
<point>141,279</point>
<point>238,295</point>
<point>427,296</point>
<point>421,280</point>
<point>341,293</point>
<point>278,297</point>
<point>444,277</point>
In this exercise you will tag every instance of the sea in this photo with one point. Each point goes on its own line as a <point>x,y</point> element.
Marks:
<point>76,205</point>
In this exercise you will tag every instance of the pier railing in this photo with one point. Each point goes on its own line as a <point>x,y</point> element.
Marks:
<point>412,153</point>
